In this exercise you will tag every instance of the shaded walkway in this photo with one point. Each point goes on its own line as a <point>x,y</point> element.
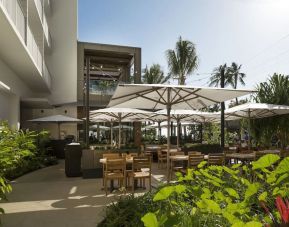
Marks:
<point>48,198</point>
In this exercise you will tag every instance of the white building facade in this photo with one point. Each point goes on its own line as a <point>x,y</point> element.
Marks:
<point>38,59</point>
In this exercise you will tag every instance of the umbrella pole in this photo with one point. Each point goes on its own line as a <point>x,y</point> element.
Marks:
<point>168,133</point>
<point>119,130</point>
<point>249,131</point>
<point>160,131</point>
<point>58,127</point>
<point>111,135</point>
<point>178,133</point>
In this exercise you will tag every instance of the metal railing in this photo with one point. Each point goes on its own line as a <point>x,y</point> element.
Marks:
<point>46,30</point>
<point>101,90</point>
<point>15,13</point>
<point>39,8</point>
<point>34,50</point>
<point>46,75</point>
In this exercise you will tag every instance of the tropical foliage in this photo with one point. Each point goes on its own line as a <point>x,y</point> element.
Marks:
<point>154,75</point>
<point>20,152</point>
<point>232,75</point>
<point>218,73</point>
<point>225,196</point>
<point>182,61</point>
<point>273,91</point>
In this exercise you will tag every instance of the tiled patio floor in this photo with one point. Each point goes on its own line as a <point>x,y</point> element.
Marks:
<point>48,198</point>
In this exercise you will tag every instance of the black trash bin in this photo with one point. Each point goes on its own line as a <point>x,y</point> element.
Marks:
<point>73,160</point>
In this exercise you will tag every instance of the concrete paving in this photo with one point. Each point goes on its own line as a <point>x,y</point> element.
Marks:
<point>48,198</point>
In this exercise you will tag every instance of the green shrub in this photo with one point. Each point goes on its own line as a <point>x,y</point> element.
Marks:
<point>204,148</point>
<point>4,188</point>
<point>127,212</point>
<point>222,196</point>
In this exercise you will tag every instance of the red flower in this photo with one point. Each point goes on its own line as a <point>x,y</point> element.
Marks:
<point>283,209</point>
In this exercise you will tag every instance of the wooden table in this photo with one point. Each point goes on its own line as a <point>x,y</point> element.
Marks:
<point>153,150</point>
<point>128,160</point>
<point>270,152</point>
<point>241,157</point>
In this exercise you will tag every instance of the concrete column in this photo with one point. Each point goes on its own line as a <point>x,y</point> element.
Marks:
<point>137,80</point>
<point>137,66</point>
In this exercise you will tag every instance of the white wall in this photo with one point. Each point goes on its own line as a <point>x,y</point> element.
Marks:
<point>17,86</point>
<point>62,62</point>
<point>9,98</point>
<point>9,109</point>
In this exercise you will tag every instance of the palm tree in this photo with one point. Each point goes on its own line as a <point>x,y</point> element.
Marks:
<point>274,91</point>
<point>236,76</point>
<point>218,72</point>
<point>154,75</point>
<point>182,61</point>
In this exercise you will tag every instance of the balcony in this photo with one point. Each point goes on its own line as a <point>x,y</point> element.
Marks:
<point>44,25</point>
<point>19,49</point>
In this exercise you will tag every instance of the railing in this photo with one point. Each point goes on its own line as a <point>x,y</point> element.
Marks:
<point>46,31</point>
<point>39,7</point>
<point>95,89</point>
<point>34,49</point>
<point>46,75</point>
<point>15,13</point>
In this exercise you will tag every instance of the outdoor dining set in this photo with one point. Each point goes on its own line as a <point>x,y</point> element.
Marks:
<point>132,170</point>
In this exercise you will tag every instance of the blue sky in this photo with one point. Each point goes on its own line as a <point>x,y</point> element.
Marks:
<point>254,33</point>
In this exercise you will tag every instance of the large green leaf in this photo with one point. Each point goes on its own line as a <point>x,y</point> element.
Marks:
<point>283,166</point>
<point>265,161</point>
<point>150,220</point>
<point>164,193</point>
<point>248,224</point>
<point>209,206</point>
<point>282,177</point>
<point>232,193</point>
<point>251,190</point>
<point>263,197</point>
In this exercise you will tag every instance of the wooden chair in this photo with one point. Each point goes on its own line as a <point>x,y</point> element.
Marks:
<point>114,170</point>
<point>194,160</point>
<point>194,152</point>
<point>141,170</point>
<point>134,154</point>
<point>216,159</point>
<point>177,153</point>
<point>108,156</point>
<point>162,158</point>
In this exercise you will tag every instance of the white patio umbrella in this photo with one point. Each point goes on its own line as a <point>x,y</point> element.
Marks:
<point>100,127</point>
<point>255,110</point>
<point>123,127</point>
<point>58,119</point>
<point>119,115</point>
<point>189,115</point>
<point>156,97</point>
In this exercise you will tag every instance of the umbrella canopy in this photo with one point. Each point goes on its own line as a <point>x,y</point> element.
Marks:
<point>156,97</point>
<point>123,127</point>
<point>59,119</point>
<point>255,110</point>
<point>100,127</point>
<point>120,115</point>
<point>193,115</point>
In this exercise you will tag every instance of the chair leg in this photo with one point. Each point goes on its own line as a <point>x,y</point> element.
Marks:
<point>133,186</point>
<point>150,182</point>
<point>105,186</point>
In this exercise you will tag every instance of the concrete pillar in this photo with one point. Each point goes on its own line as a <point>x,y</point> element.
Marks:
<point>137,66</point>
<point>137,80</point>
